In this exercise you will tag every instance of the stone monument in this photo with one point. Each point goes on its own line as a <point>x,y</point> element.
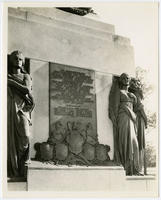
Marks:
<point>79,48</point>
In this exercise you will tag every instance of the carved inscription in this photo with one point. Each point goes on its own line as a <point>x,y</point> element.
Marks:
<point>72,95</point>
<point>71,87</point>
<point>73,112</point>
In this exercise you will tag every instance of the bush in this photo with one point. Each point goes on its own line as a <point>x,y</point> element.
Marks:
<point>150,156</point>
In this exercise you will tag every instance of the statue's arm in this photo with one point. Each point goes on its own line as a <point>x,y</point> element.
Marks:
<point>28,82</point>
<point>114,101</point>
<point>140,108</point>
<point>144,116</point>
<point>23,88</point>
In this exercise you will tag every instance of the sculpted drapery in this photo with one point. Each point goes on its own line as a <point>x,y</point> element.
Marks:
<point>122,102</point>
<point>141,120</point>
<point>19,106</point>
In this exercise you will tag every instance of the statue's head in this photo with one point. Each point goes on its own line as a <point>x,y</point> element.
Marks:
<point>133,84</point>
<point>89,125</point>
<point>17,59</point>
<point>139,85</point>
<point>124,79</point>
<point>136,86</point>
<point>58,125</point>
<point>77,125</point>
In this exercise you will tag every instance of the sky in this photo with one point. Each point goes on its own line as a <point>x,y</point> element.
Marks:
<point>139,22</point>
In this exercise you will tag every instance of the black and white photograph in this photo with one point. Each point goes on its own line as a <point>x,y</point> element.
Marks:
<point>80,112</point>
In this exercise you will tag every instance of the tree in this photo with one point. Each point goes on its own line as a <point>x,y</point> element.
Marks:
<point>150,155</point>
<point>148,90</point>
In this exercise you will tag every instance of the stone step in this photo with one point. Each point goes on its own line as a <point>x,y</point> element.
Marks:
<point>17,186</point>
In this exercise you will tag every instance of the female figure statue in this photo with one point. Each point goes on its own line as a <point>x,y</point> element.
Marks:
<point>19,106</point>
<point>124,120</point>
<point>141,119</point>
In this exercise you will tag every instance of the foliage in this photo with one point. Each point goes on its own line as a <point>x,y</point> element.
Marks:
<point>152,119</point>
<point>150,156</point>
<point>142,75</point>
<point>148,88</point>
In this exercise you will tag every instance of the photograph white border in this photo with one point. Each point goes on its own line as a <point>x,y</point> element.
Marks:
<point>39,194</point>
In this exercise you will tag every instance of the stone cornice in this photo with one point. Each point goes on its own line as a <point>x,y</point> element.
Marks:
<point>59,19</point>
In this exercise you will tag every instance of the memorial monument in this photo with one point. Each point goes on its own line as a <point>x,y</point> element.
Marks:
<point>73,63</point>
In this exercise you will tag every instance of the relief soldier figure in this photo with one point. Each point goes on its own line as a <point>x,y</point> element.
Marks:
<point>19,106</point>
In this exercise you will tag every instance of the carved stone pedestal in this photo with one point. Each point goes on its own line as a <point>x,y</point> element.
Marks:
<point>47,177</point>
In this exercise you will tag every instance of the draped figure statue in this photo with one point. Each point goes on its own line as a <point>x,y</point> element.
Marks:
<point>19,106</point>
<point>114,99</point>
<point>124,120</point>
<point>141,119</point>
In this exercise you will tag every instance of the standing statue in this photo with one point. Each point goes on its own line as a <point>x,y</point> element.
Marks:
<point>124,120</point>
<point>19,106</point>
<point>136,89</point>
<point>114,101</point>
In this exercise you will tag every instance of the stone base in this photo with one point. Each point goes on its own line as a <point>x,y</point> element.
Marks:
<point>141,183</point>
<point>47,177</point>
<point>17,186</point>
<point>109,180</point>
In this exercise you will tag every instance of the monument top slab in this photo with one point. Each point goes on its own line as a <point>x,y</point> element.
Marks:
<point>63,16</point>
